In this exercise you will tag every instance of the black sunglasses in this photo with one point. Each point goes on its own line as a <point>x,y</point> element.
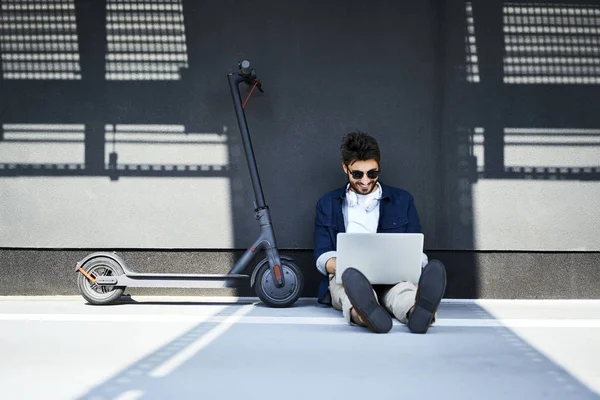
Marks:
<point>371,174</point>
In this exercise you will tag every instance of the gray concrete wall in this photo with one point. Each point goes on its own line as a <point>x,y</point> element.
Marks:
<point>471,275</point>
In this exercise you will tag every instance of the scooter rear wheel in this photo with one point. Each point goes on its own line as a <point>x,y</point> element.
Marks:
<point>284,296</point>
<point>93,293</point>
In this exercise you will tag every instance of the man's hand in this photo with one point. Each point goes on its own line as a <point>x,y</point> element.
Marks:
<point>330,265</point>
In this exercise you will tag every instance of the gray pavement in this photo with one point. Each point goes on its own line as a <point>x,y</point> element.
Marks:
<point>192,348</point>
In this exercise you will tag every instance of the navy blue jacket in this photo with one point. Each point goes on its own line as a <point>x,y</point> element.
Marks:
<point>397,214</point>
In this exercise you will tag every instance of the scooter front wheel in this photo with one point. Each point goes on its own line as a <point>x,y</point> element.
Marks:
<point>96,294</point>
<point>284,296</point>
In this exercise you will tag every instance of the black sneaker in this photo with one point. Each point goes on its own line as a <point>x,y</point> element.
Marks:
<point>432,285</point>
<point>360,292</point>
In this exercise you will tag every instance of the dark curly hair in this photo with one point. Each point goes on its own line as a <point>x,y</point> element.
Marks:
<point>359,146</point>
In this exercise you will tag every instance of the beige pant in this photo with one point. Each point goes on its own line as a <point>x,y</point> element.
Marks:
<point>397,299</point>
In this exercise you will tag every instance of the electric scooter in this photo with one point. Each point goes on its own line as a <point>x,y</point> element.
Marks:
<point>277,281</point>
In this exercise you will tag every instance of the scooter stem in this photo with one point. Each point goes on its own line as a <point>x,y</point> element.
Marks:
<point>234,81</point>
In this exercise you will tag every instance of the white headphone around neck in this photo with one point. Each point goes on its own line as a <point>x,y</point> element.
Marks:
<point>371,204</point>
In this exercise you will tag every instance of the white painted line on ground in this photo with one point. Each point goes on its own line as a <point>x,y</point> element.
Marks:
<point>569,302</point>
<point>302,300</point>
<point>166,299</point>
<point>105,318</point>
<point>191,350</point>
<point>130,395</point>
<point>241,318</point>
<point>551,323</point>
<point>519,323</point>
<point>142,299</point>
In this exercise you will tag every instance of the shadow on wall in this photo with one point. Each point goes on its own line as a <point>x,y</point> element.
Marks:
<point>530,78</point>
<point>535,88</point>
<point>44,48</point>
<point>132,150</point>
<point>97,90</point>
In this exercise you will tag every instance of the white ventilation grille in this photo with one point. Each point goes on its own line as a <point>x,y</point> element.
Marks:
<point>551,44</point>
<point>551,147</point>
<point>478,147</point>
<point>472,66</point>
<point>146,40</point>
<point>39,40</point>
<point>164,147</point>
<point>42,145</point>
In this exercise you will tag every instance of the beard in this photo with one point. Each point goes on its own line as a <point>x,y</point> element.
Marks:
<point>368,188</point>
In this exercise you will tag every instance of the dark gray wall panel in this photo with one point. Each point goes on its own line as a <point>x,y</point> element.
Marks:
<point>395,69</point>
<point>327,68</point>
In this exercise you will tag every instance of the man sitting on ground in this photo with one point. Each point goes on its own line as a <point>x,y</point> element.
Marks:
<point>365,205</point>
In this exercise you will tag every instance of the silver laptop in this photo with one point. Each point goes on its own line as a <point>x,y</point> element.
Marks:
<point>384,258</point>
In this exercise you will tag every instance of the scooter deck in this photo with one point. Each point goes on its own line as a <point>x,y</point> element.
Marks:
<point>175,280</point>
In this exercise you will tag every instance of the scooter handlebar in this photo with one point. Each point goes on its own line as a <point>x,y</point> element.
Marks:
<point>245,67</point>
<point>249,75</point>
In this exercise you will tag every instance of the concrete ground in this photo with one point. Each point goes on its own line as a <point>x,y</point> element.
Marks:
<point>216,348</point>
